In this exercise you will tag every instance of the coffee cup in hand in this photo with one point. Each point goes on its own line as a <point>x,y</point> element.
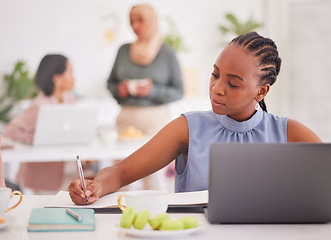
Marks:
<point>133,85</point>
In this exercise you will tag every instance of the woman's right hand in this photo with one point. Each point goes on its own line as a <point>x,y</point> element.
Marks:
<point>122,89</point>
<point>77,194</point>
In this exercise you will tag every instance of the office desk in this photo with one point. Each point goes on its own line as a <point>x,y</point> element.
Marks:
<point>106,228</point>
<point>104,152</point>
<point>53,153</point>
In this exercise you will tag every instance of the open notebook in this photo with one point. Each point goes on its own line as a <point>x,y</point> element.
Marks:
<point>176,200</point>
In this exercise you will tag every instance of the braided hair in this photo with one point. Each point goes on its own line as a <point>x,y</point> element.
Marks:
<point>266,51</point>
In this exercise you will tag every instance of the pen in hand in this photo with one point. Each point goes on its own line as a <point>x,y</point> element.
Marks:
<point>81,174</point>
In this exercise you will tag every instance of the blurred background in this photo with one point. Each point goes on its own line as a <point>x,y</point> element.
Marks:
<point>90,33</point>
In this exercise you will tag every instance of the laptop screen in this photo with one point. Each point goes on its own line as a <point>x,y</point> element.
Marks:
<point>270,183</point>
<point>65,124</point>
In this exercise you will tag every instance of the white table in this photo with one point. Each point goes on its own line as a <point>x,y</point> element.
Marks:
<point>104,152</point>
<point>52,153</point>
<point>106,228</point>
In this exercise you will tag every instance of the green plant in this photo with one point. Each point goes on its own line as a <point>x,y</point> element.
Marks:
<point>173,38</point>
<point>18,85</point>
<point>237,27</point>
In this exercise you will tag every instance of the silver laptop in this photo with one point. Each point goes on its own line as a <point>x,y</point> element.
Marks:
<point>270,183</point>
<point>65,124</point>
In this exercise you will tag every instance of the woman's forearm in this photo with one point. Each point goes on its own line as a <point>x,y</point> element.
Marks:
<point>109,180</point>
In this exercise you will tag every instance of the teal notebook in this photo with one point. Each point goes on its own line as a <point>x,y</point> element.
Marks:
<point>57,219</point>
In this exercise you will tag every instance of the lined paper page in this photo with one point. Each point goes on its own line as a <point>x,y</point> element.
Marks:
<point>62,199</point>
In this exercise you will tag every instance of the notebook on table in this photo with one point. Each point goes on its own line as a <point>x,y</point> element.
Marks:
<point>178,202</point>
<point>57,219</point>
<point>65,124</point>
<point>270,183</point>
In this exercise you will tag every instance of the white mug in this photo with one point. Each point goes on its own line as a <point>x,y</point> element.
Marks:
<point>134,83</point>
<point>155,201</point>
<point>5,196</point>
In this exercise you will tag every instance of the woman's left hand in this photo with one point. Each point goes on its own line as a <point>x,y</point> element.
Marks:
<point>143,90</point>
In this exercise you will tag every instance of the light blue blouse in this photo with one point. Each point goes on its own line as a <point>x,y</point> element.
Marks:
<point>206,127</point>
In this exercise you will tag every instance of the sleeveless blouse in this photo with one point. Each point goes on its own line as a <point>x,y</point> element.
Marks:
<point>206,127</point>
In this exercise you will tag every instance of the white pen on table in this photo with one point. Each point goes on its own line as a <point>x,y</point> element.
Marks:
<point>81,174</point>
<point>75,215</point>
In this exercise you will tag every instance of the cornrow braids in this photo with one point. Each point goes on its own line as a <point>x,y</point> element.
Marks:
<point>266,51</point>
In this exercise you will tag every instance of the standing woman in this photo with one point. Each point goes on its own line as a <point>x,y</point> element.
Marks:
<point>145,107</point>
<point>55,80</point>
<point>147,58</point>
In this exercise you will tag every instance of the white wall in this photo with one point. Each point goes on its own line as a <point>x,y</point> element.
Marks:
<point>310,62</point>
<point>30,29</point>
<point>75,28</point>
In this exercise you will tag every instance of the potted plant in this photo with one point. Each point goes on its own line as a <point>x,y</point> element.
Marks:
<point>18,85</point>
<point>173,38</point>
<point>236,27</point>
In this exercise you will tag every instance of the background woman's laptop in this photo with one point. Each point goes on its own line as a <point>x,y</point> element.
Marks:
<point>270,183</point>
<point>65,124</point>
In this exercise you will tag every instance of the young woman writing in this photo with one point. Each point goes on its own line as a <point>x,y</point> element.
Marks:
<point>240,80</point>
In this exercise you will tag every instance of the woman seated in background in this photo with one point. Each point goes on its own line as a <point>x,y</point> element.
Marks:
<point>2,179</point>
<point>55,80</point>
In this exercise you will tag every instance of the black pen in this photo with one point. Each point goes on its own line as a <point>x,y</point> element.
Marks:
<point>81,174</point>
